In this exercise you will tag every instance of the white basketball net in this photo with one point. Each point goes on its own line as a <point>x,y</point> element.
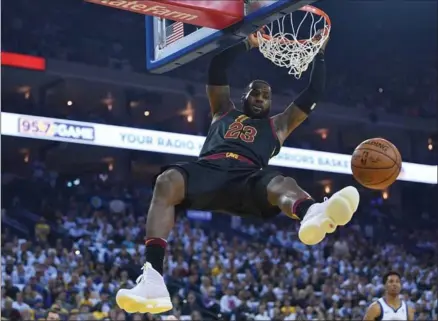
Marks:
<point>285,49</point>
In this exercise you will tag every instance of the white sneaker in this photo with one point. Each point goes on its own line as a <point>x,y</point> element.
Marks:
<point>150,295</point>
<point>323,218</point>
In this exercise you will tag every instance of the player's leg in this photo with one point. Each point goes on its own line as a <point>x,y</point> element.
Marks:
<point>196,185</point>
<point>169,190</point>
<point>285,193</point>
<point>317,219</point>
<point>150,294</point>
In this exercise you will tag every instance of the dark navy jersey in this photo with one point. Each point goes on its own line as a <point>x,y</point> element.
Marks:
<point>236,133</point>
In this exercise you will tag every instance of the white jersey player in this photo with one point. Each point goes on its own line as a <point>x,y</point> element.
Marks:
<point>390,307</point>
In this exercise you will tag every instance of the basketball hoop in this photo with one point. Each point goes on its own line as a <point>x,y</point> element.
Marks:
<point>286,46</point>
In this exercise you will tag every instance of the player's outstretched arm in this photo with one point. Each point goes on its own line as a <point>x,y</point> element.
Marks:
<point>299,110</point>
<point>374,311</point>
<point>218,89</point>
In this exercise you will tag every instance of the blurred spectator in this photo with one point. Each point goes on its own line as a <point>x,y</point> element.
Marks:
<point>19,303</point>
<point>229,302</point>
<point>190,305</point>
<point>52,316</point>
<point>341,249</point>
<point>9,312</point>
<point>10,290</point>
<point>42,231</point>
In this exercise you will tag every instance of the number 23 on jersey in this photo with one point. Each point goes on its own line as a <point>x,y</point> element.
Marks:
<point>237,130</point>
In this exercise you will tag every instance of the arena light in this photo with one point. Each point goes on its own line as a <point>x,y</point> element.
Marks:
<point>189,111</point>
<point>181,144</point>
<point>25,90</point>
<point>323,133</point>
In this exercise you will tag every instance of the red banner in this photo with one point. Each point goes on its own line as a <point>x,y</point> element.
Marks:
<point>23,61</point>
<point>212,14</point>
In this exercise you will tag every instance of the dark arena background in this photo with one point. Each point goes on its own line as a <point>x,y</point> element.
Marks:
<point>85,128</point>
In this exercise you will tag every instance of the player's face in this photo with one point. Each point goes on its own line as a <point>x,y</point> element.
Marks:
<point>393,285</point>
<point>257,100</point>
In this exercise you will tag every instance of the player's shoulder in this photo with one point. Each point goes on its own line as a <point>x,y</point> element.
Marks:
<point>375,306</point>
<point>374,311</point>
<point>223,114</point>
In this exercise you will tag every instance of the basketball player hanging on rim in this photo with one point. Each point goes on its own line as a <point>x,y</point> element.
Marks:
<point>390,307</point>
<point>231,174</point>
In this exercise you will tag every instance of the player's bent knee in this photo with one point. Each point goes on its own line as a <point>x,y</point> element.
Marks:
<point>275,187</point>
<point>279,187</point>
<point>169,186</point>
<point>281,183</point>
<point>289,182</point>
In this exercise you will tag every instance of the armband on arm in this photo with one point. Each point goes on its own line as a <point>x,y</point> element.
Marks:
<point>217,71</point>
<point>299,110</point>
<point>308,98</point>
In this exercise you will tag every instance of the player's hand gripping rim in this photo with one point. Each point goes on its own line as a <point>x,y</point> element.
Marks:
<point>253,40</point>
<point>317,37</point>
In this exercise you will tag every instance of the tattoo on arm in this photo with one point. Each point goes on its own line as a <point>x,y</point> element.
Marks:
<point>219,99</point>
<point>288,121</point>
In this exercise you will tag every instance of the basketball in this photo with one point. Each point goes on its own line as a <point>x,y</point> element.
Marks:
<point>376,163</point>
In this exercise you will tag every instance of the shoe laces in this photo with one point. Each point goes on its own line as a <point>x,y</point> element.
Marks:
<point>313,213</point>
<point>142,276</point>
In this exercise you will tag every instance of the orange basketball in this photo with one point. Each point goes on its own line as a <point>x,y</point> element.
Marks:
<point>376,163</point>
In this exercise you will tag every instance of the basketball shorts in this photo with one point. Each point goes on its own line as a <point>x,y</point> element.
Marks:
<point>227,185</point>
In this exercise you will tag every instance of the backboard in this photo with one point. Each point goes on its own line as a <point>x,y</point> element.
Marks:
<point>171,43</point>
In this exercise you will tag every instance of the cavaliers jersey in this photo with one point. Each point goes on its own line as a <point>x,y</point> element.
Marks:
<point>236,133</point>
<point>389,313</point>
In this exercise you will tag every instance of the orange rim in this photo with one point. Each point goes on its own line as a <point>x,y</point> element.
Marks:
<point>306,8</point>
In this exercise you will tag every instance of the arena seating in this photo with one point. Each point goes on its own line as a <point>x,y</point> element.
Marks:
<point>88,242</point>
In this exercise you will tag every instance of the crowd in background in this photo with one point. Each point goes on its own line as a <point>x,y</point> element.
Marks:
<point>69,247</point>
<point>86,241</point>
